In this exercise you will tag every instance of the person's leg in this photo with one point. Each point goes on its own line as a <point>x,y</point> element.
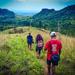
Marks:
<point>53,69</point>
<point>40,49</point>
<point>54,64</point>
<point>36,51</point>
<point>30,46</point>
<point>49,67</point>
<point>39,52</point>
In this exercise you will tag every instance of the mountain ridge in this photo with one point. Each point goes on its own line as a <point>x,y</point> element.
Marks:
<point>46,18</point>
<point>52,13</point>
<point>49,18</point>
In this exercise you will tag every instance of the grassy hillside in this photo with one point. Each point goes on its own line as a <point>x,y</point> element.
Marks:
<point>17,59</point>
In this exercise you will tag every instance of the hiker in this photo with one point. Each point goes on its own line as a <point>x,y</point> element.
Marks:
<point>53,48</point>
<point>30,41</point>
<point>39,45</point>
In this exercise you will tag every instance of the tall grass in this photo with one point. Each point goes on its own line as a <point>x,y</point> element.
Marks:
<point>16,58</point>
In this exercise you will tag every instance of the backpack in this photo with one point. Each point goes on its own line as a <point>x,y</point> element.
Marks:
<point>55,57</point>
<point>40,43</point>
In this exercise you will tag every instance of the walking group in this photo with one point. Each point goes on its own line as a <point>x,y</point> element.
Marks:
<point>53,48</point>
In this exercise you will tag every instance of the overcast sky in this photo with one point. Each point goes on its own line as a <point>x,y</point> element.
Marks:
<point>34,5</point>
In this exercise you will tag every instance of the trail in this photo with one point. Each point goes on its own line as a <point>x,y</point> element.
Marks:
<point>43,62</point>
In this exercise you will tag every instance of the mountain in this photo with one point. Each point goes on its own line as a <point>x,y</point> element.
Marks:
<point>67,12</point>
<point>49,18</point>
<point>7,13</point>
<point>6,16</point>
<point>44,13</point>
<point>46,18</point>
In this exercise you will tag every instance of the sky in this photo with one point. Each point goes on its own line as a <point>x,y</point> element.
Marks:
<point>34,5</point>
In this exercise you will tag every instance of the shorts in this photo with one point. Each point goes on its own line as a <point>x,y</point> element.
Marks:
<point>38,49</point>
<point>29,43</point>
<point>53,63</point>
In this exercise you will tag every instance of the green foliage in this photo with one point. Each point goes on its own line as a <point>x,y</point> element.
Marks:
<point>51,17</point>
<point>46,18</point>
<point>18,59</point>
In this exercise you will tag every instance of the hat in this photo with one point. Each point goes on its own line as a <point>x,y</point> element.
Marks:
<point>52,34</point>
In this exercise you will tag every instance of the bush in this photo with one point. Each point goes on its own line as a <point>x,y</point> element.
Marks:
<point>20,30</point>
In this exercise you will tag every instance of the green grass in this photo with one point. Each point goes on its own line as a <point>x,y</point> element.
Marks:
<point>17,59</point>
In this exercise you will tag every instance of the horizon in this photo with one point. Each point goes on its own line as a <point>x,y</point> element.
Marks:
<point>34,5</point>
<point>33,12</point>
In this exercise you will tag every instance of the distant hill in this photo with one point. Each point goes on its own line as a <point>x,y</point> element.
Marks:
<point>49,18</point>
<point>9,19</point>
<point>67,13</point>
<point>7,13</point>
<point>25,13</point>
<point>46,18</point>
<point>6,16</point>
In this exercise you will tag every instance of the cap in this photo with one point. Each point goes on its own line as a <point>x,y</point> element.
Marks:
<point>52,34</point>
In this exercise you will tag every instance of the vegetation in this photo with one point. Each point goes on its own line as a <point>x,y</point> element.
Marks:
<point>17,59</point>
<point>49,19</point>
<point>46,18</point>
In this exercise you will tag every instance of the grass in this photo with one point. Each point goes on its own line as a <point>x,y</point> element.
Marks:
<point>17,59</point>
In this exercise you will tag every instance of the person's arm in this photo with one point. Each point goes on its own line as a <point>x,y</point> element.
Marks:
<point>46,46</point>
<point>60,47</point>
<point>45,49</point>
<point>59,52</point>
<point>32,40</point>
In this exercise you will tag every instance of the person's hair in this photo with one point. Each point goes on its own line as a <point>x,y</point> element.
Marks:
<point>39,37</point>
<point>29,33</point>
<point>53,36</point>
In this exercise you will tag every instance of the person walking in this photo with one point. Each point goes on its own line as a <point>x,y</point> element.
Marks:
<point>53,47</point>
<point>39,45</point>
<point>30,41</point>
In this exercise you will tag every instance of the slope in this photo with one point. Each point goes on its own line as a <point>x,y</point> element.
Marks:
<point>16,58</point>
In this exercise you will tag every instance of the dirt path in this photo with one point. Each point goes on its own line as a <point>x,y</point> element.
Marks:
<point>43,62</point>
<point>45,66</point>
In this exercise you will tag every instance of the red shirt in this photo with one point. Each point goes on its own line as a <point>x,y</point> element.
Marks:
<point>53,46</point>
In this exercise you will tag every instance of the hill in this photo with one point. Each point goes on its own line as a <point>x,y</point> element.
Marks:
<point>6,15</point>
<point>10,19</point>
<point>49,14</point>
<point>46,19</point>
<point>49,18</point>
<point>7,18</point>
<point>17,59</point>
